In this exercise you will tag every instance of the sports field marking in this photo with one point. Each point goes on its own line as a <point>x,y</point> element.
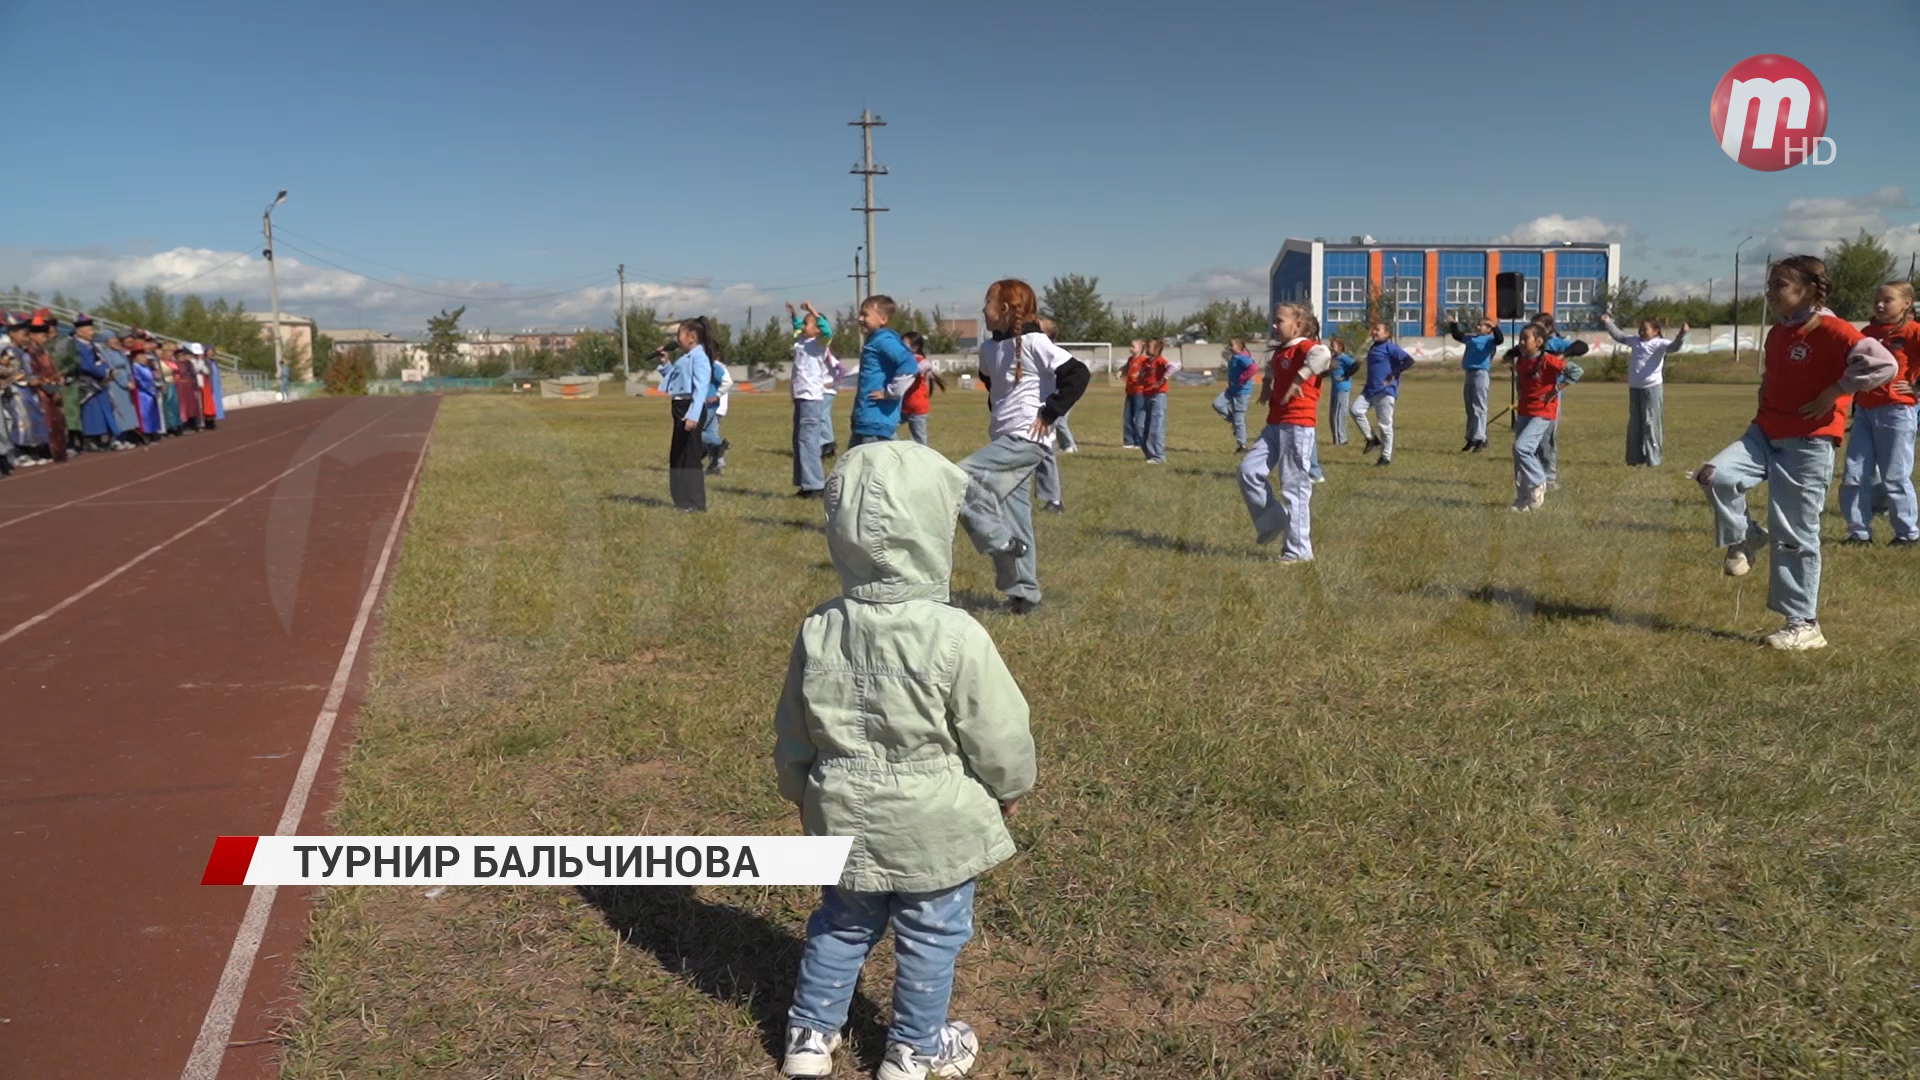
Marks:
<point>152,476</point>
<point>210,1047</point>
<point>157,548</point>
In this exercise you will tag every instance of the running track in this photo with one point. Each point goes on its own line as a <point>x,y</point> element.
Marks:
<point>176,625</point>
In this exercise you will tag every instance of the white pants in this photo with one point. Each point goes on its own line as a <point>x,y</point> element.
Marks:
<point>1288,450</point>
<point>1382,406</point>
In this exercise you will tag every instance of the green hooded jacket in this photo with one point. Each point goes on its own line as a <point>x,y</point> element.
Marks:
<point>900,725</point>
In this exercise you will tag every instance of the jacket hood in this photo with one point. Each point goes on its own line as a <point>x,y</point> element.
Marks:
<point>891,508</point>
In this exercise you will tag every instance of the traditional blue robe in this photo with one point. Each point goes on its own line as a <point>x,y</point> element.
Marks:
<point>149,400</point>
<point>96,407</point>
<point>213,375</point>
<point>120,389</point>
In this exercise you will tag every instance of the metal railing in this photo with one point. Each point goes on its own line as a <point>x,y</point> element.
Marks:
<point>229,368</point>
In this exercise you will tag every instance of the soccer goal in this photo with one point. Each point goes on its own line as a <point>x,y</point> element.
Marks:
<point>1097,355</point>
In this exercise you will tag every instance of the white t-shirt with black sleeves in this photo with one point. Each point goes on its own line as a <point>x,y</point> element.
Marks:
<point>1016,401</point>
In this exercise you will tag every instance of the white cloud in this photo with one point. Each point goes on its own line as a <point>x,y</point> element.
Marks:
<point>1813,225</point>
<point>1684,289</point>
<point>1553,227</point>
<point>339,299</point>
<point>1201,288</point>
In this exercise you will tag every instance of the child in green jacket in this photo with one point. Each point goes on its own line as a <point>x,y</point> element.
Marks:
<point>901,727</point>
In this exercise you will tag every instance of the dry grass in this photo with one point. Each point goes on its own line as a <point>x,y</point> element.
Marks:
<point>1474,794</point>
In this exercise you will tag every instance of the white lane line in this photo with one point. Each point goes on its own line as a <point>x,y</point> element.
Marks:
<point>210,1048</point>
<point>155,549</point>
<point>153,476</point>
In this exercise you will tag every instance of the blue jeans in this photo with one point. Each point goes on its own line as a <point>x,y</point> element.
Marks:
<point>917,427</point>
<point>810,433</point>
<point>827,436</point>
<point>1063,435</point>
<point>1287,449</point>
<point>710,428</point>
<point>1529,453</point>
<point>998,507</point>
<point>929,930</point>
<point>1233,409</point>
<point>1880,446</point>
<point>1474,392</point>
<point>1155,406</point>
<point>1797,473</point>
<point>1133,422</point>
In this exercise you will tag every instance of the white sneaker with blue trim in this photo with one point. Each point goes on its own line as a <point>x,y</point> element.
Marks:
<point>959,1048</point>
<point>809,1052</point>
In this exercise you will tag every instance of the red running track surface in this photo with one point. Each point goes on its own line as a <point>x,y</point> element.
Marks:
<point>170,704</point>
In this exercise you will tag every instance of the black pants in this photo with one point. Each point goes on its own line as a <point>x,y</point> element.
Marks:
<point>684,478</point>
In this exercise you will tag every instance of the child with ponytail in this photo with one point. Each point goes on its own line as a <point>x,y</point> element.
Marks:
<point>1031,383</point>
<point>1815,361</point>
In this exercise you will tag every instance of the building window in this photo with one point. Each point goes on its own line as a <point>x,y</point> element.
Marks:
<point>1346,290</point>
<point>1465,292</point>
<point>1339,317</point>
<point>1530,294</point>
<point>1573,292</point>
<point>1406,293</point>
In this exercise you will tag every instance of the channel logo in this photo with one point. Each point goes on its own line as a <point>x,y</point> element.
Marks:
<point>1770,113</point>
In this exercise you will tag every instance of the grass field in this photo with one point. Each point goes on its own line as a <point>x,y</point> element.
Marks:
<point>1474,794</point>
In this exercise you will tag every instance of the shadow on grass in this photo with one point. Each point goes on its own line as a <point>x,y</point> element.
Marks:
<point>1172,543</point>
<point>1523,602</point>
<point>977,602</point>
<point>786,523</point>
<point>752,493</point>
<point>732,955</point>
<point>653,501</point>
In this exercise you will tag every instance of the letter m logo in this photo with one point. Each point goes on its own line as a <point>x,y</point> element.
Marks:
<point>1765,95</point>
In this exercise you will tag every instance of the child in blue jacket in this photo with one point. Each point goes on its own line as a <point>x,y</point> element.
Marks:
<point>1477,365</point>
<point>1232,402</point>
<point>1386,362</point>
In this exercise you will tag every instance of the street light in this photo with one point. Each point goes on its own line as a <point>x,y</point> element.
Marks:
<point>1736,298</point>
<point>273,289</point>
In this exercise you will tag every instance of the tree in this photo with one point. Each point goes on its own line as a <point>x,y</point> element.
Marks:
<point>226,326</point>
<point>348,372</point>
<point>1858,267</point>
<point>592,353</point>
<point>443,342</point>
<point>1626,302</point>
<point>644,334</point>
<point>1225,319</point>
<point>1073,302</point>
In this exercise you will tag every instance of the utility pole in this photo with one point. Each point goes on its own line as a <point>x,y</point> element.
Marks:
<point>856,283</point>
<point>868,170</point>
<point>273,287</point>
<point>1736,298</point>
<point>625,371</point>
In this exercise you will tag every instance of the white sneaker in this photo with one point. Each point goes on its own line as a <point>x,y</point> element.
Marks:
<point>1798,635</point>
<point>1539,498</point>
<point>959,1047</point>
<point>1740,556</point>
<point>809,1052</point>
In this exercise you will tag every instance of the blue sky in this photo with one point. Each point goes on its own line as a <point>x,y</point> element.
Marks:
<point>1166,148</point>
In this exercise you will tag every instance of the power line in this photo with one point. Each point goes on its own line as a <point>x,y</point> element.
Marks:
<point>431,277</point>
<point>448,296</point>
